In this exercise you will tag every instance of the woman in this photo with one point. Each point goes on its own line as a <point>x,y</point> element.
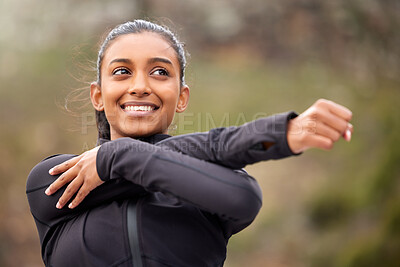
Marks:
<point>143,198</point>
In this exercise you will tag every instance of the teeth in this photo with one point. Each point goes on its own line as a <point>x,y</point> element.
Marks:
<point>138,108</point>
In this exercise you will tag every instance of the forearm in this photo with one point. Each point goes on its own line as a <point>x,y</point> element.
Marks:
<point>208,186</point>
<point>236,147</point>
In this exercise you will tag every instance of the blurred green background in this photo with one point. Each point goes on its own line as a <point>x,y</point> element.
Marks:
<point>248,59</point>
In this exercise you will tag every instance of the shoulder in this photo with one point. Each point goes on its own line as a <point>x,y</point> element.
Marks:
<point>39,175</point>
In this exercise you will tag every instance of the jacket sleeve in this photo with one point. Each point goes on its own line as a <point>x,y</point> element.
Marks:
<point>233,147</point>
<point>236,147</point>
<point>212,188</point>
<point>43,207</point>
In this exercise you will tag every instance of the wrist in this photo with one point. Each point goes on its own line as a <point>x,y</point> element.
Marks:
<point>293,136</point>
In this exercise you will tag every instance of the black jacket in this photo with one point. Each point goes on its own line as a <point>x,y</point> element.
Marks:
<point>166,201</point>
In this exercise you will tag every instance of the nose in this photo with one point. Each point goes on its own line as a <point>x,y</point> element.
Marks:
<point>140,86</point>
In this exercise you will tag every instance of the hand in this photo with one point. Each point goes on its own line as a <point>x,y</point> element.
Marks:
<point>319,126</point>
<point>81,174</point>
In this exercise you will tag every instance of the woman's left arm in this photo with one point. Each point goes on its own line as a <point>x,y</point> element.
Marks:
<point>43,207</point>
<point>232,195</point>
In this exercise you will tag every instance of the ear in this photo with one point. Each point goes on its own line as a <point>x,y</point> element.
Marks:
<point>96,97</point>
<point>183,100</point>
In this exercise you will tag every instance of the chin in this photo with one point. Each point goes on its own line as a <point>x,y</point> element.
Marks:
<point>141,132</point>
<point>137,129</point>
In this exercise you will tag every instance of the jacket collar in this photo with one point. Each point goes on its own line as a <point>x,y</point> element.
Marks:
<point>152,139</point>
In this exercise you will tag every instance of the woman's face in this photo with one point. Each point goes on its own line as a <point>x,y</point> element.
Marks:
<point>140,86</point>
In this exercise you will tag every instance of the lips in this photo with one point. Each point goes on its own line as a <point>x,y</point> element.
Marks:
<point>136,107</point>
<point>145,106</point>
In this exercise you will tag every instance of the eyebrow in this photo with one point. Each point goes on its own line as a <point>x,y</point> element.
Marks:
<point>150,61</point>
<point>123,60</point>
<point>159,59</point>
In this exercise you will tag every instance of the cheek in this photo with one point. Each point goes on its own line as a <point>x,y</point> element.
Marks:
<point>171,92</point>
<point>171,100</point>
<point>111,91</point>
<point>110,98</point>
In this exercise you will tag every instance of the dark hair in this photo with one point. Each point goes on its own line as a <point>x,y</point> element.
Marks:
<point>136,26</point>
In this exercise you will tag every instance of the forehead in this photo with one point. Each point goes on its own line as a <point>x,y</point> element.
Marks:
<point>140,45</point>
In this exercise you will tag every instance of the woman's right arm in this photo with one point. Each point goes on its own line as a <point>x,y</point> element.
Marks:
<point>266,138</point>
<point>273,137</point>
<point>237,146</point>
<point>231,147</point>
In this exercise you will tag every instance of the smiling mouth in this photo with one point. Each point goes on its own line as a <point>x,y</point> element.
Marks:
<point>139,107</point>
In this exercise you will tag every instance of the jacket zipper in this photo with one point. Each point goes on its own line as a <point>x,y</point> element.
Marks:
<point>133,234</point>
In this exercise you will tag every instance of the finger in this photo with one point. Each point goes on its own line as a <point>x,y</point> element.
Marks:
<point>82,193</point>
<point>327,131</point>
<point>319,141</point>
<point>62,180</point>
<point>63,167</point>
<point>330,119</point>
<point>338,110</point>
<point>71,189</point>
<point>347,134</point>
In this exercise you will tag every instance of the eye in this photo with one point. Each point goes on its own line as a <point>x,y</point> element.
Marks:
<point>121,71</point>
<point>161,72</point>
